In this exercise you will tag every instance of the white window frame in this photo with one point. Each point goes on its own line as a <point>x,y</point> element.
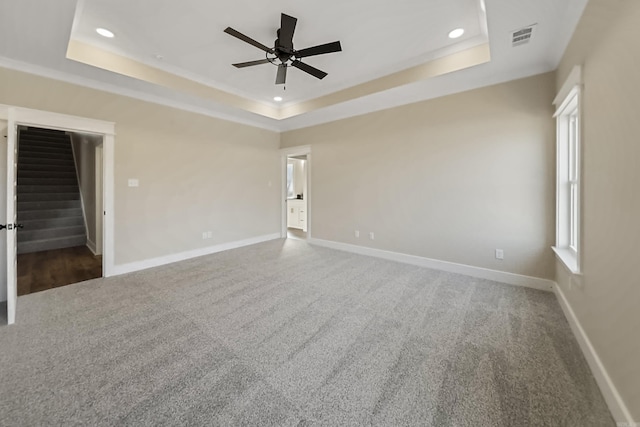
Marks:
<point>568,171</point>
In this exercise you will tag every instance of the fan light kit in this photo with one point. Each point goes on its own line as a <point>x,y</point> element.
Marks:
<point>282,54</point>
<point>105,33</point>
<point>456,33</point>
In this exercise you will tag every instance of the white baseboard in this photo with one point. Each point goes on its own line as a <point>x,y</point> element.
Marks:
<point>452,267</point>
<point>614,401</point>
<point>92,246</point>
<point>181,256</point>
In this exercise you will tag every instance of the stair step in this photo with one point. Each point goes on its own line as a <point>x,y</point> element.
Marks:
<point>44,134</point>
<point>47,189</point>
<point>47,181</point>
<point>44,142</point>
<point>38,224</point>
<point>45,167</point>
<point>36,154</point>
<point>43,197</point>
<point>44,147</point>
<point>41,141</point>
<point>49,244</point>
<point>45,174</point>
<point>47,205</point>
<point>50,213</point>
<point>28,158</point>
<point>44,131</point>
<point>25,235</point>
<point>31,142</point>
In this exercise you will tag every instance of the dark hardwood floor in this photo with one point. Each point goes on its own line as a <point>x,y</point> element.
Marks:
<point>39,271</point>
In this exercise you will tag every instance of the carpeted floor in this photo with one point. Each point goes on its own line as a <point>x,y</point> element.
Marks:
<point>287,334</point>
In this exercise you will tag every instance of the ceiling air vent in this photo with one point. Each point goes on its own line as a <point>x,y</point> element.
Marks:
<point>522,36</point>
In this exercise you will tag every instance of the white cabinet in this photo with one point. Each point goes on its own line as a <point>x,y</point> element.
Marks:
<point>297,214</point>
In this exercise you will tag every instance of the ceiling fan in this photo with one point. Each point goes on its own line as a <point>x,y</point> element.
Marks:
<point>282,54</point>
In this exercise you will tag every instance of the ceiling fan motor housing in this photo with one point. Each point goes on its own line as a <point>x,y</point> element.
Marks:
<point>282,54</point>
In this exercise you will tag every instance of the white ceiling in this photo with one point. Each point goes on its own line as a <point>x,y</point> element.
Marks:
<point>378,38</point>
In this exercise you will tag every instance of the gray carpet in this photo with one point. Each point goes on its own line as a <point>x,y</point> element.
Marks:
<point>284,333</point>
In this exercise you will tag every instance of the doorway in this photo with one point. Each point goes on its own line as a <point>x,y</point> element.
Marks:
<point>296,191</point>
<point>296,197</point>
<point>58,208</point>
<point>16,117</point>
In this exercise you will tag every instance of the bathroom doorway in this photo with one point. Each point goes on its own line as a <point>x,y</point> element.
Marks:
<point>296,192</point>
<point>296,197</point>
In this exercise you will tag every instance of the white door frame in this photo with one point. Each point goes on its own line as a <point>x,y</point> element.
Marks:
<point>18,116</point>
<point>4,145</point>
<point>284,154</point>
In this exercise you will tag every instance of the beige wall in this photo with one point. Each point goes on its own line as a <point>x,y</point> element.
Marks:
<point>451,179</point>
<point>196,173</point>
<point>606,299</point>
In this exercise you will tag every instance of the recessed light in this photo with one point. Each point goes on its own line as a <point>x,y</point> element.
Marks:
<point>277,98</point>
<point>456,33</point>
<point>105,33</point>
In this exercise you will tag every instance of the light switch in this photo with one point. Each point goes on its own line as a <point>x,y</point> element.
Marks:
<point>133,182</point>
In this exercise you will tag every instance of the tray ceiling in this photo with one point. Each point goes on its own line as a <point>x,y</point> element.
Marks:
<point>393,52</point>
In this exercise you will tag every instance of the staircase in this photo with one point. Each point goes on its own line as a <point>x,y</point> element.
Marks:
<point>49,204</point>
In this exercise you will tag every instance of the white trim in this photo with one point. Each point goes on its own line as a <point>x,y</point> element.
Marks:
<point>574,79</point>
<point>76,166</point>
<point>181,256</point>
<point>35,70</point>
<point>3,212</point>
<point>92,246</point>
<point>567,258</point>
<point>11,242</point>
<point>452,267</point>
<point>569,99</point>
<point>50,120</point>
<point>108,189</point>
<point>300,150</point>
<point>614,401</point>
<point>99,190</point>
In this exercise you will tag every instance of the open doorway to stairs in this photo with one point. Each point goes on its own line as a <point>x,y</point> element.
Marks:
<point>59,207</point>
<point>296,188</point>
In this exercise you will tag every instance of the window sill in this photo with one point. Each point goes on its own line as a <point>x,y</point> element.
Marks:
<point>567,258</point>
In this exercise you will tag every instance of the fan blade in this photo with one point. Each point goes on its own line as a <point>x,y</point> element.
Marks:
<point>247,39</point>
<point>309,69</point>
<point>287,27</point>
<point>281,78</point>
<point>319,50</point>
<point>251,63</point>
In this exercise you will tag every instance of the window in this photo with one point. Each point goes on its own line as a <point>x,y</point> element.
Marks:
<point>567,246</point>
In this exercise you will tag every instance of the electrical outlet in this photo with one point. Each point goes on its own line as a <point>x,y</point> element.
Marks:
<point>357,233</point>
<point>209,234</point>
<point>499,254</point>
<point>371,235</point>
<point>204,235</point>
